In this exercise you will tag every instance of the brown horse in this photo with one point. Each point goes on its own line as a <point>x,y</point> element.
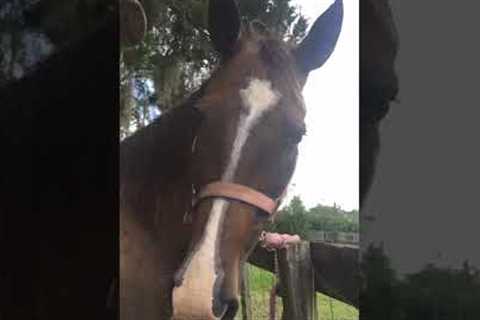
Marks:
<point>232,147</point>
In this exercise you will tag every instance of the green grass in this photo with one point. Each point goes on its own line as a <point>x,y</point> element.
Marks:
<point>261,283</point>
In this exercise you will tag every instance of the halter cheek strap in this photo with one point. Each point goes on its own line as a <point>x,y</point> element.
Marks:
<point>233,191</point>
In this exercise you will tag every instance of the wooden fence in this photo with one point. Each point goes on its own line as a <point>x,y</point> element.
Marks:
<point>304,269</point>
<point>334,237</point>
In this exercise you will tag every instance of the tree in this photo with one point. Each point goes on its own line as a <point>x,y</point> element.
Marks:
<point>15,48</point>
<point>430,294</point>
<point>327,218</point>
<point>378,297</point>
<point>32,30</point>
<point>441,293</point>
<point>293,219</point>
<point>296,219</point>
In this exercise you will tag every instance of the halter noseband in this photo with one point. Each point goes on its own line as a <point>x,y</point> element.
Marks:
<point>233,191</point>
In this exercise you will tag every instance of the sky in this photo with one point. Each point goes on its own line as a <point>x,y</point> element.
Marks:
<point>327,170</point>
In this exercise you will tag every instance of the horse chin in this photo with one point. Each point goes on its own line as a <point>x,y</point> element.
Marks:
<point>187,307</point>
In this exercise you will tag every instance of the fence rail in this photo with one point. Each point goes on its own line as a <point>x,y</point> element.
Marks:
<point>334,237</point>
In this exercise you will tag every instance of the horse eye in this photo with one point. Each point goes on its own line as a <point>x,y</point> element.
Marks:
<point>295,134</point>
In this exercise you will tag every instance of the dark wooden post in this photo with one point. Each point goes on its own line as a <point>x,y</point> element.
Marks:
<point>246,301</point>
<point>337,272</point>
<point>297,277</point>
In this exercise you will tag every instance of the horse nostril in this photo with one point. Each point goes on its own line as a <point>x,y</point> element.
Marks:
<point>219,308</point>
<point>225,309</point>
<point>232,309</point>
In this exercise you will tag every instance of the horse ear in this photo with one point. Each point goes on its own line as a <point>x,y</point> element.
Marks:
<point>320,42</point>
<point>223,24</point>
<point>133,22</point>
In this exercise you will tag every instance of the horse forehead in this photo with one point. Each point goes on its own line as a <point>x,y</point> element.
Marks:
<point>259,95</point>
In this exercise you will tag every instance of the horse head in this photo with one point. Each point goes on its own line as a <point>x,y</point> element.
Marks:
<point>244,152</point>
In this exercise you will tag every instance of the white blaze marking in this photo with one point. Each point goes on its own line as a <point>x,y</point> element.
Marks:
<point>195,295</point>
<point>257,98</point>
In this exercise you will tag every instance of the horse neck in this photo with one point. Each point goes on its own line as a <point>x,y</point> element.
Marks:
<point>155,185</point>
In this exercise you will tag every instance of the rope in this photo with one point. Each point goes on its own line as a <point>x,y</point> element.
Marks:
<point>276,281</point>
<point>274,242</point>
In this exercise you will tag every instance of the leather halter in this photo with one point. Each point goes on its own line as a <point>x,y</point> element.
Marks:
<point>233,191</point>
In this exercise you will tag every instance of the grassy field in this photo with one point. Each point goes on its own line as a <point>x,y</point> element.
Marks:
<point>260,285</point>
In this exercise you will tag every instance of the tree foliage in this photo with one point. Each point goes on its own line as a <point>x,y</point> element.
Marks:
<point>32,30</point>
<point>293,219</point>
<point>380,283</point>
<point>431,293</point>
<point>20,46</point>
<point>296,219</point>
<point>333,218</point>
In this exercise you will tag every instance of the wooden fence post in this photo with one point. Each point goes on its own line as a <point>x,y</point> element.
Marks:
<point>297,278</point>
<point>245,294</point>
<point>336,267</point>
